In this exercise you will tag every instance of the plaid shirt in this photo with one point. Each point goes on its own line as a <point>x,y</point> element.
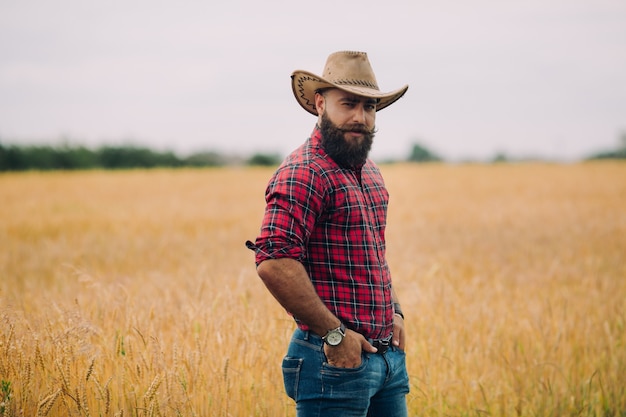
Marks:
<point>332,220</point>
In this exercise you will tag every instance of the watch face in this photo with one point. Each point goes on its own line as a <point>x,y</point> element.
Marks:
<point>334,338</point>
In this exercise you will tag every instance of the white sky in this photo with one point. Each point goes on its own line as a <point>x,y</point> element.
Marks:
<point>528,78</point>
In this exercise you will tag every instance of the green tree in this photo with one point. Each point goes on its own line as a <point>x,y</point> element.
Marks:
<point>264,159</point>
<point>618,153</point>
<point>420,153</point>
<point>116,157</point>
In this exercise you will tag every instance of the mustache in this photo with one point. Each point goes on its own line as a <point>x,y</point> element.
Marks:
<point>358,128</point>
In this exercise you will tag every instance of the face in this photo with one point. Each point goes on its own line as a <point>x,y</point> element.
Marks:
<point>347,123</point>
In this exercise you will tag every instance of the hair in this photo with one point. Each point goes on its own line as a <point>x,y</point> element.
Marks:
<point>322,91</point>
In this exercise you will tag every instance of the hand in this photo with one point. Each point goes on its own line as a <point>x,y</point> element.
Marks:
<point>348,353</point>
<point>398,339</point>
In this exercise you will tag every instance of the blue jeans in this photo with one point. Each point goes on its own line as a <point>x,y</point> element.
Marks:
<point>378,387</point>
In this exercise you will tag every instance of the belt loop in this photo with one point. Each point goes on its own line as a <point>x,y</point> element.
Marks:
<point>306,335</point>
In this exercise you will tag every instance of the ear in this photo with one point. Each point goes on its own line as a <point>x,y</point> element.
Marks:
<point>320,103</point>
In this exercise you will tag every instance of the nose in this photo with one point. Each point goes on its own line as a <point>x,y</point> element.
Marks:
<point>359,114</point>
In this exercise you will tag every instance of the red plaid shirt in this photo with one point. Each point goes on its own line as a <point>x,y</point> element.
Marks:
<point>332,220</point>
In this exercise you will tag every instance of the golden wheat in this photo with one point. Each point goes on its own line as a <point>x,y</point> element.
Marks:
<point>132,294</point>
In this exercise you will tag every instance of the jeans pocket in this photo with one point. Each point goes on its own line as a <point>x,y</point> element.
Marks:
<point>291,375</point>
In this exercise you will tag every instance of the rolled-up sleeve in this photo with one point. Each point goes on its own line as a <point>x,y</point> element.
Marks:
<point>294,199</point>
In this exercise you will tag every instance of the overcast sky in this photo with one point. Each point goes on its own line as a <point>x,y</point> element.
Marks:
<point>527,78</point>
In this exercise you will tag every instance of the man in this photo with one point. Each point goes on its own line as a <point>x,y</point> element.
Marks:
<point>321,252</point>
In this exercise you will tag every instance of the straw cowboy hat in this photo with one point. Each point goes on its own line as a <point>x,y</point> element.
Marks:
<point>347,70</point>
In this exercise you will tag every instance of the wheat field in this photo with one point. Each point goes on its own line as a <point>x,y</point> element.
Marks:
<point>131,293</point>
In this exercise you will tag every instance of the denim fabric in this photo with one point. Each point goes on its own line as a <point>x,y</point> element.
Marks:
<point>378,387</point>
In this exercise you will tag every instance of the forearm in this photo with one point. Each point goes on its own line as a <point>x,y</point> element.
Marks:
<point>288,281</point>
<point>396,303</point>
<point>394,297</point>
<point>399,337</point>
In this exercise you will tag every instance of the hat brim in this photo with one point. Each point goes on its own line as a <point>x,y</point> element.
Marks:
<point>304,85</point>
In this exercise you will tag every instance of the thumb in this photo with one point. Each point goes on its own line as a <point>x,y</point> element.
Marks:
<point>367,347</point>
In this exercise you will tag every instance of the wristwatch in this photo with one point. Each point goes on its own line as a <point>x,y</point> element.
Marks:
<point>335,336</point>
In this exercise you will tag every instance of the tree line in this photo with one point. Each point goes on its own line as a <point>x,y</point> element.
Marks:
<point>73,157</point>
<point>68,157</point>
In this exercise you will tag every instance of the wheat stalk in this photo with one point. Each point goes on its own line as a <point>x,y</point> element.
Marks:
<point>45,405</point>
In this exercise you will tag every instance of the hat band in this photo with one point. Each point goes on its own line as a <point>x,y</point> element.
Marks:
<point>360,83</point>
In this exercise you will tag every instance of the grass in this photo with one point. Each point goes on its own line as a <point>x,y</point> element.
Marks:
<point>131,293</point>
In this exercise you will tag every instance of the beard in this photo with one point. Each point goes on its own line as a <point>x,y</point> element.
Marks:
<point>346,153</point>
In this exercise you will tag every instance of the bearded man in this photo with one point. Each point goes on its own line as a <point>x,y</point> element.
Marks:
<point>321,252</point>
